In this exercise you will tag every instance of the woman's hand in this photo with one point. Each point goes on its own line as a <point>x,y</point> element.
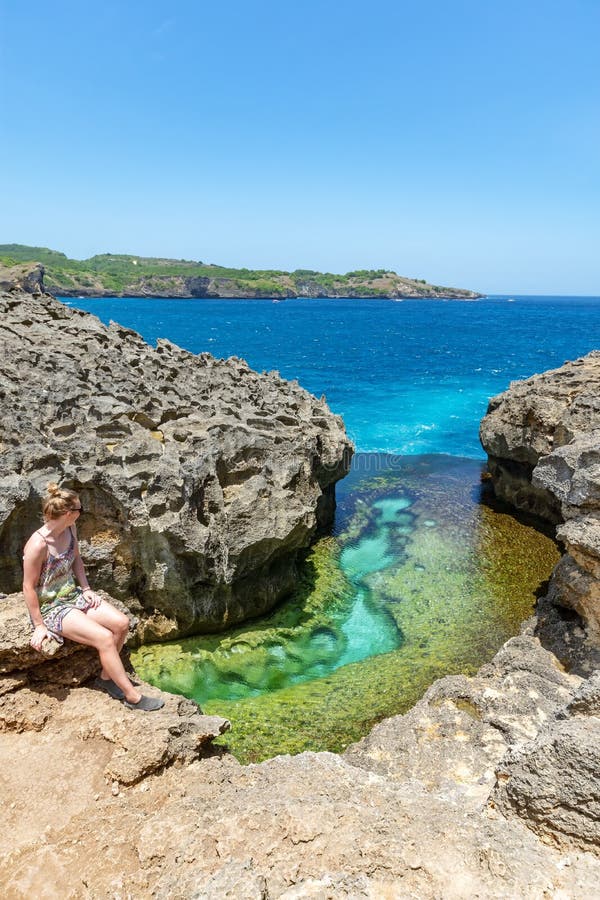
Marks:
<point>92,598</point>
<point>38,637</point>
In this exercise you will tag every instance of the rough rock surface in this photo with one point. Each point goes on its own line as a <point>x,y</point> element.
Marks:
<point>454,738</point>
<point>553,782</point>
<point>543,437</point>
<point>72,661</point>
<point>532,420</point>
<point>71,740</point>
<point>202,480</point>
<point>415,810</point>
<point>543,441</point>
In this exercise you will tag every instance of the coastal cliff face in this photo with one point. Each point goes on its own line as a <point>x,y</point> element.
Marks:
<point>543,437</point>
<point>543,441</point>
<point>203,481</point>
<point>112,275</point>
<point>27,277</point>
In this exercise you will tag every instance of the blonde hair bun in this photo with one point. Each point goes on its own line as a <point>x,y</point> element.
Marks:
<point>58,501</point>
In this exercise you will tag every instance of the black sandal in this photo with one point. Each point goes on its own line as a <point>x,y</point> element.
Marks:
<point>146,704</point>
<point>109,687</point>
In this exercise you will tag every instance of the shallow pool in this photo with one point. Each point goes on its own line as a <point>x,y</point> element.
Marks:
<point>421,578</point>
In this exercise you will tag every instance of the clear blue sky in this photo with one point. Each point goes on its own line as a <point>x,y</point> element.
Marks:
<point>453,140</point>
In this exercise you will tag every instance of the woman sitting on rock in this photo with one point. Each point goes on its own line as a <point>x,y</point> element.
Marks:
<point>60,608</point>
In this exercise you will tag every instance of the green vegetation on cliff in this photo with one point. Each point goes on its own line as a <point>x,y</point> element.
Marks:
<point>112,274</point>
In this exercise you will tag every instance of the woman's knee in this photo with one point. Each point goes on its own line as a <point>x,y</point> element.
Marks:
<point>123,623</point>
<point>110,617</point>
<point>103,638</point>
<point>120,628</point>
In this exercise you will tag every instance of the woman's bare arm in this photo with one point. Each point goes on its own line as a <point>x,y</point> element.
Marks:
<point>33,560</point>
<point>79,571</point>
<point>78,567</point>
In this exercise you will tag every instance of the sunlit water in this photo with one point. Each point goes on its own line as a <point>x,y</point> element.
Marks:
<point>420,578</point>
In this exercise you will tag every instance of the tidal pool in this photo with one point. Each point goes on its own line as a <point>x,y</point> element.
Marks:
<point>422,577</point>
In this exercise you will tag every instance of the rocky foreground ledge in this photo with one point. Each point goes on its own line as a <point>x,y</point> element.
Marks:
<point>202,481</point>
<point>486,788</point>
<point>56,697</point>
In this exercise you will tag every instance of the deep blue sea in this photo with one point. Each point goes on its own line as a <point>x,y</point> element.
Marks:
<point>410,376</point>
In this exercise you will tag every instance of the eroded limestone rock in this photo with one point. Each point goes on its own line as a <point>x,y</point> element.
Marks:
<point>36,695</point>
<point>17,654</point>
<point>202,480</point>
<point>543,437</point>
<point>28,277</point>
<point>533,419</point>
<point>454,738</point>
<point>553,783</point>
<point>543,441</point>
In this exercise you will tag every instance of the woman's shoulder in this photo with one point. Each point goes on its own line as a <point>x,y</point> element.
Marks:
<point>36,544</point>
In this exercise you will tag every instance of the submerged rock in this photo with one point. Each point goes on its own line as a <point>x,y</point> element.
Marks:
<point>202,481</point>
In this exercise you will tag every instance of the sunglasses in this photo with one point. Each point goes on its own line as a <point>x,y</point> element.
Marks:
<point>78,509</point>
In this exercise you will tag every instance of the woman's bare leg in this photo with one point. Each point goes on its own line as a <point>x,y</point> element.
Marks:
<point>116,622</point>
<point>79,627</point>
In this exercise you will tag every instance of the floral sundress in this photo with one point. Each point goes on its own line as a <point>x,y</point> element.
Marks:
<point>57,589</point>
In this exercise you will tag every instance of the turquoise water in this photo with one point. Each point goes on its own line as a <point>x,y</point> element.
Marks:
<point>335,628</point>
<point>408,377</point>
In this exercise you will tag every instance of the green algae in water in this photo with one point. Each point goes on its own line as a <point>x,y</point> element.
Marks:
<point>328,625</point>
<point>420,580</point>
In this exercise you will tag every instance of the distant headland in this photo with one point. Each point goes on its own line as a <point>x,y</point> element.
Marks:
<point>118,275</point>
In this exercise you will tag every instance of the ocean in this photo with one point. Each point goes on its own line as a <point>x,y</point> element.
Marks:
<point>410,376</point>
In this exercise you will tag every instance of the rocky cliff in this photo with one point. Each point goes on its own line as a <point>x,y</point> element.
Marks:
<point>110,275</point>
<point>543,441</point>
<point>27,277</point>
<point>202,481</point>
